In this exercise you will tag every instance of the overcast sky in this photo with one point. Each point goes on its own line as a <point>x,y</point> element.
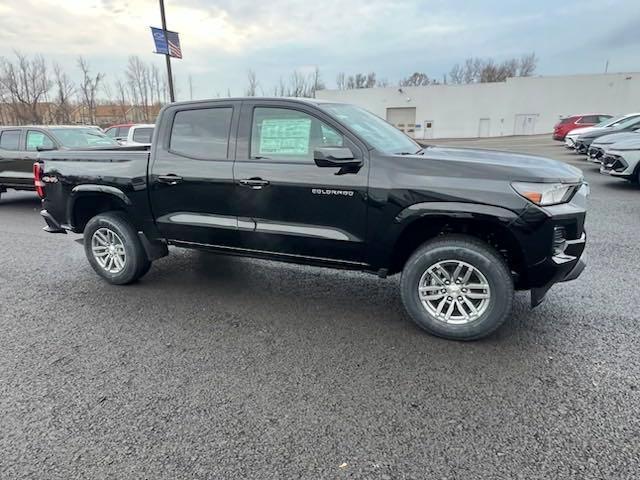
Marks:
<point>222,39</point>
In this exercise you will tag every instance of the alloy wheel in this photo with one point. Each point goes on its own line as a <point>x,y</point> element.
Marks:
<point>454,292</point>
<point>108,250</point>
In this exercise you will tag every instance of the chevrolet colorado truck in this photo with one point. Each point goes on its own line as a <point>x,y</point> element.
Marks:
<point>327,184</point>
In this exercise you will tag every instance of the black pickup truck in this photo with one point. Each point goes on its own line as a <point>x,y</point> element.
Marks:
<point>327,184</point>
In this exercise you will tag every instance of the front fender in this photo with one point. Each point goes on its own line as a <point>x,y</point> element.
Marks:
<point>455,210</point>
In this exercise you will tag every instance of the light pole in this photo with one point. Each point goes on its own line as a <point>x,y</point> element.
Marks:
<point>167,56</point>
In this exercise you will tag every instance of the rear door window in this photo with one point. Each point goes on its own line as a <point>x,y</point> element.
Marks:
<point>10,140</point>
<point>201,133</point>
<point>589,119</point>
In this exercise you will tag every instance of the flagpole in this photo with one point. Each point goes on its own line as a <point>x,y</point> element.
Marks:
<point>167,56</point>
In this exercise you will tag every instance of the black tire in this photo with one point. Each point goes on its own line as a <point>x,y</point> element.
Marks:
<point>136,263</point>
<point>482,257</point>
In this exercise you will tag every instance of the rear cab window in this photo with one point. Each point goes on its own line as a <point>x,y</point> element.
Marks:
<point>10,140</point>
<point>201,133</point>
<point>142,135</point>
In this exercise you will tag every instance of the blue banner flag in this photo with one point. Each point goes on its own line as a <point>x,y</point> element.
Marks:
<point>160,39</point>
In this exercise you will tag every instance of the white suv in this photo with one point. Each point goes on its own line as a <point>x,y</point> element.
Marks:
<point>622,160</point>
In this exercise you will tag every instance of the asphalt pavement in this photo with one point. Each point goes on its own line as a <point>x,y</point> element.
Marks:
<point>229,368</point>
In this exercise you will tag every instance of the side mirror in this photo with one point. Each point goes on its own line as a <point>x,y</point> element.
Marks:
<point>42,148</point>
<point>335,157</point>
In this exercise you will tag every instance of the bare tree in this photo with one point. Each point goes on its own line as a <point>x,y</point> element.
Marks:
<point>122,101</point>
<point>382,82</point>
<point>297,85</point>
<point>25,84</point>
<point>137,74</point>
<point>341,81</point>
<point>456,74</point>
<point>253,84</point>
<point>361,80</point>
<point>156,87</point>
<point>528,65</point>
<point>316,82</point>
<point>477,70</point>
<point>416,79</point>
<point>64,91</point>
<point>89,88</point>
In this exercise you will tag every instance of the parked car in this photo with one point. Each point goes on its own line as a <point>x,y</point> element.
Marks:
<point>568,124</point>
<point>19,147</point>
<point>118,132</point>
<point>139,134</point>
<point>570,139</point>
<point>322,183</point>
<point>622,160</point>
<point>600,145</point>
<point>584,141</point>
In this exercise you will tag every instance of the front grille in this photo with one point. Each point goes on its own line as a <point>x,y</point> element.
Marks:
<point>614,162</point>
<point>596,152</point>
<point>581,147</point>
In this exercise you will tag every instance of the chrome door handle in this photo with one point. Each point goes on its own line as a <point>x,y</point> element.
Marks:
<point>170,179</point>
<point>255,183</point>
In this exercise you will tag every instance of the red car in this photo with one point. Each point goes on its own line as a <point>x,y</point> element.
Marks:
<point>565,125</point>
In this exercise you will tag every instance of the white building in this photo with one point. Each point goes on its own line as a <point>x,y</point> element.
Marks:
<point>518,106</point>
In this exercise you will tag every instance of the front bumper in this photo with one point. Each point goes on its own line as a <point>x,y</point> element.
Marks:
<point>567,267</point>
<point>616,166</point>
<point>582,146</point>
<point>595,154</point>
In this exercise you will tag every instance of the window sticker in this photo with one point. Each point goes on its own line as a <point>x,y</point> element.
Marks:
<point>285,136</point>
<point>35,140</point>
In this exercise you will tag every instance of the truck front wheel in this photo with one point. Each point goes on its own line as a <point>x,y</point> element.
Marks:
<point>113,248</point>
<point>457,287</point>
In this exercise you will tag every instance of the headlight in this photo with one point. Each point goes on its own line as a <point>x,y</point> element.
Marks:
<point>545,194</point>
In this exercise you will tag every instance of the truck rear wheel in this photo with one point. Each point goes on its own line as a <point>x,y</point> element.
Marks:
<point>114,250</point>
<point>457,287</point>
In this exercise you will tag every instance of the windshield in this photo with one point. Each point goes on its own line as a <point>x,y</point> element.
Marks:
<point>628,122</point>
<point>609,121</point>
<point>82,137</point>
<point>381,135</point>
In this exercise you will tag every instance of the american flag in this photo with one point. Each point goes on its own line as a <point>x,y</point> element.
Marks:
<point>174,44</point>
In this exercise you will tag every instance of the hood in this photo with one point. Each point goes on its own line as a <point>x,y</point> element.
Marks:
<point>629,144</point>
<point>498,165</point>
<point>603,131</point>
<point>612,138</point>
<point>580,131</point>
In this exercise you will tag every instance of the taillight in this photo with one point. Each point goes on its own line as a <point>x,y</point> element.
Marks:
<point>37,179</point>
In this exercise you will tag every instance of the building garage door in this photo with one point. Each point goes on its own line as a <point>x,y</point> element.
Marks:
<point>403,119</point>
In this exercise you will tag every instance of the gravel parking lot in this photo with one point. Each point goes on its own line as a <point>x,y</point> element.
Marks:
<point>219,367</point>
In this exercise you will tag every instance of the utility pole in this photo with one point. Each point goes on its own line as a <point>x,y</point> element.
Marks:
<point>167,56</point>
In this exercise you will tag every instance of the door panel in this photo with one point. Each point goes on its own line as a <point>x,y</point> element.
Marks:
<point>16,165</point>
<point>286,203</point>
<point>191,177</point>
